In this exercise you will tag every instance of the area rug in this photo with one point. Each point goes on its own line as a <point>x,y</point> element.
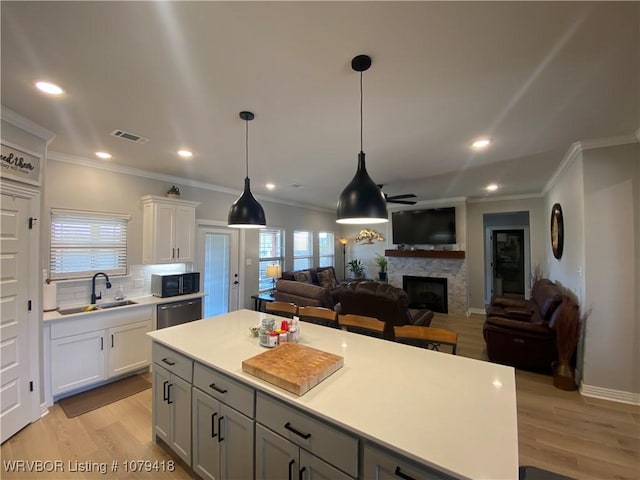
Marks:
<point>99,397</point>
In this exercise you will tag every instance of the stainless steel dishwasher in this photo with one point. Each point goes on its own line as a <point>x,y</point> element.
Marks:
<point>175,313</point>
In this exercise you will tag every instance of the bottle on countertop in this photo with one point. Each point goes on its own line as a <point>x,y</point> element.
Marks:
<point>294,329</point>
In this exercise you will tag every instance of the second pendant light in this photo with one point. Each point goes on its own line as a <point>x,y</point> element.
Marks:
<point>362,201</point>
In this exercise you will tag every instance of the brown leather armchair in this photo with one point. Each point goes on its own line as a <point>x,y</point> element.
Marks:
<point>528,333</point>
<point>382,301</point>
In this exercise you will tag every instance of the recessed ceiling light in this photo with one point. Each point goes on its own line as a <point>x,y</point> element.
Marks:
<point>103,155</point>
<point>270,186</point>
<point>50,88</point>
<point>481,143</point>
<point>185,153</point>
<point>492,188</point>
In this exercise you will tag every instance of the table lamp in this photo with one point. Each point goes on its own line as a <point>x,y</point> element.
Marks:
<point>273,272</point>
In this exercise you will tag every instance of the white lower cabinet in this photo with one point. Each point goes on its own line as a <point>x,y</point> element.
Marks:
<point>129,348</point>
<point>172,411</point>
<point>77,361</point>
<point>88,350</point>
<point>379,464</point>
<point>222,440</point>
<point>277,459</point>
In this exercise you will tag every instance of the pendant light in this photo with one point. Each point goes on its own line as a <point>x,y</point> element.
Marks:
<point>362,201</point>
<point>246,212</point>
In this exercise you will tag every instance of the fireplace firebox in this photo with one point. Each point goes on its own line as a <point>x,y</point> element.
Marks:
<point>426,292</point>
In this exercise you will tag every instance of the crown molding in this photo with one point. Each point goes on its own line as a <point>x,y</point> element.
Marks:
<point>27,125</point>
<point>505,198</point>
<point>110,167</point>
<point>610,142</point>
<point>577,148</point>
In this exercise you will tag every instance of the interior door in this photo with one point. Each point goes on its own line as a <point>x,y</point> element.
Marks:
<point>508,262</point>
<point>15,393</point>
<point>219,265</point>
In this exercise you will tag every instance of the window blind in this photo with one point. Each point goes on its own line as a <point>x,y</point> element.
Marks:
<point>84,243</point>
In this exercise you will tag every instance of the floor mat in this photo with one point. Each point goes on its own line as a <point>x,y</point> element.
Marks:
<point>99,397</point>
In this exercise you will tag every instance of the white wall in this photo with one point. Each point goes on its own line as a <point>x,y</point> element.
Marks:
<point>611,227</point>
<point>568,271</point>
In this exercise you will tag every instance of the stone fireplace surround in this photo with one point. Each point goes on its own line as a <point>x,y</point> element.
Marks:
<point>448,264</point>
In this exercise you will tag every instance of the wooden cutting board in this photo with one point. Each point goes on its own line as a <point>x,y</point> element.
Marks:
<point>293,367</point>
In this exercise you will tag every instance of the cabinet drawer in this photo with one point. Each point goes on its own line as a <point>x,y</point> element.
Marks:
<point>224,388</point>
<point>378,463</point>
<point>327,442</point>
<point>173,361</point>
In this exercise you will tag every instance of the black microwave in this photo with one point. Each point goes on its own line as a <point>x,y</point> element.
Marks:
<point>172,284</point>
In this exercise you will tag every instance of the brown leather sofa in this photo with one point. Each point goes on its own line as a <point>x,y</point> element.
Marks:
<point>382,301</point>
<point>304,294</point>
<point>313,287</point>
<point>524,333</point>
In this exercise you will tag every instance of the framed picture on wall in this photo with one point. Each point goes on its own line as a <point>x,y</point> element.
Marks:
<point>20,164</point>
<point>557,231</point>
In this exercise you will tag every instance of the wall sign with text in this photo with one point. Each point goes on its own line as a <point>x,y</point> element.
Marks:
<point>19,164</point>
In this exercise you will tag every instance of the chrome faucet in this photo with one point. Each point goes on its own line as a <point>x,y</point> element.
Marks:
<point>95,297</point>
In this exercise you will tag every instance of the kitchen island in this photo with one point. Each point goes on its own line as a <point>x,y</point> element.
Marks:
<point>451,415</point>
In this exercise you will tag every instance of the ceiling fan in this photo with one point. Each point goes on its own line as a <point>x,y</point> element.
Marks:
<point>398,198</point>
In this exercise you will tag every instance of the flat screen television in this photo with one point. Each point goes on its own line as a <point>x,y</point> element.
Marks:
<point>435,226</point>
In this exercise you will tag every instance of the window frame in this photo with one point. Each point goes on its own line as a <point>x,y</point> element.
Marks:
<point>308,255</point>
<point>271,260</point>
<point>93,246</point>
<point>322,255</point>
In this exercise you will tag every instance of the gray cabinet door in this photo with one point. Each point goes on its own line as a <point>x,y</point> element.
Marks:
<point>161,409</point>
<point>179,399</point>
<point>236,445</point>
<point>380,465</point>
<point>205,430</point>
<point>276,457</point>
<point>312,468</point>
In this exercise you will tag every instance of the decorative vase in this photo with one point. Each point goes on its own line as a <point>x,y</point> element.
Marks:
<point>382,276</point>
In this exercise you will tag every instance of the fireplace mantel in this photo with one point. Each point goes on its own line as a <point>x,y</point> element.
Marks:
<point>426,253</point>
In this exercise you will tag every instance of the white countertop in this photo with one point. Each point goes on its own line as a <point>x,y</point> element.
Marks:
<point>140,302</point>
<point>453,413</point>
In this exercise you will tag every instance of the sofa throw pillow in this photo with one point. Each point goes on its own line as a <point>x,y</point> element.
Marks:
<point>303,276</point>
<point>327,279</point>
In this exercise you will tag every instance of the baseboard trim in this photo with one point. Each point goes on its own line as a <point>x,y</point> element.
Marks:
<point>610,394</point>
<point>43,409</point>
<point>479,311</point>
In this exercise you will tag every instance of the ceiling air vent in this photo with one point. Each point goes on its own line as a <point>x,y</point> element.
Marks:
<point>132,137</point>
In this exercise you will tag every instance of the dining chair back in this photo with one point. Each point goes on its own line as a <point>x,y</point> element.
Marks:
<point>426,337</point>
<point>282,309</point>
<point>361,324</point>
<point>318,315</point>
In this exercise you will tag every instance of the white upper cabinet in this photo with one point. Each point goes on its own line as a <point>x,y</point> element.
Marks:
<point>169,229</point>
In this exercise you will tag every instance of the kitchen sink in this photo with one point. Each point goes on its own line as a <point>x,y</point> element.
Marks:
<point>95,308</point>
<point>119,303</point>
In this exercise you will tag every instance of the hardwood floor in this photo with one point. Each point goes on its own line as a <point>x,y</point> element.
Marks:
<point>560,431</point>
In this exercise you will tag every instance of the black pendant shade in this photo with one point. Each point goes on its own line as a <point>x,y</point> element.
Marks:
<point>362,201</point>
<point>246,212</point>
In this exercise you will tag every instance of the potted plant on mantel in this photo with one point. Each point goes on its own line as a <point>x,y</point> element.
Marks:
<point>356,268</point>
<point>382,262</point>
